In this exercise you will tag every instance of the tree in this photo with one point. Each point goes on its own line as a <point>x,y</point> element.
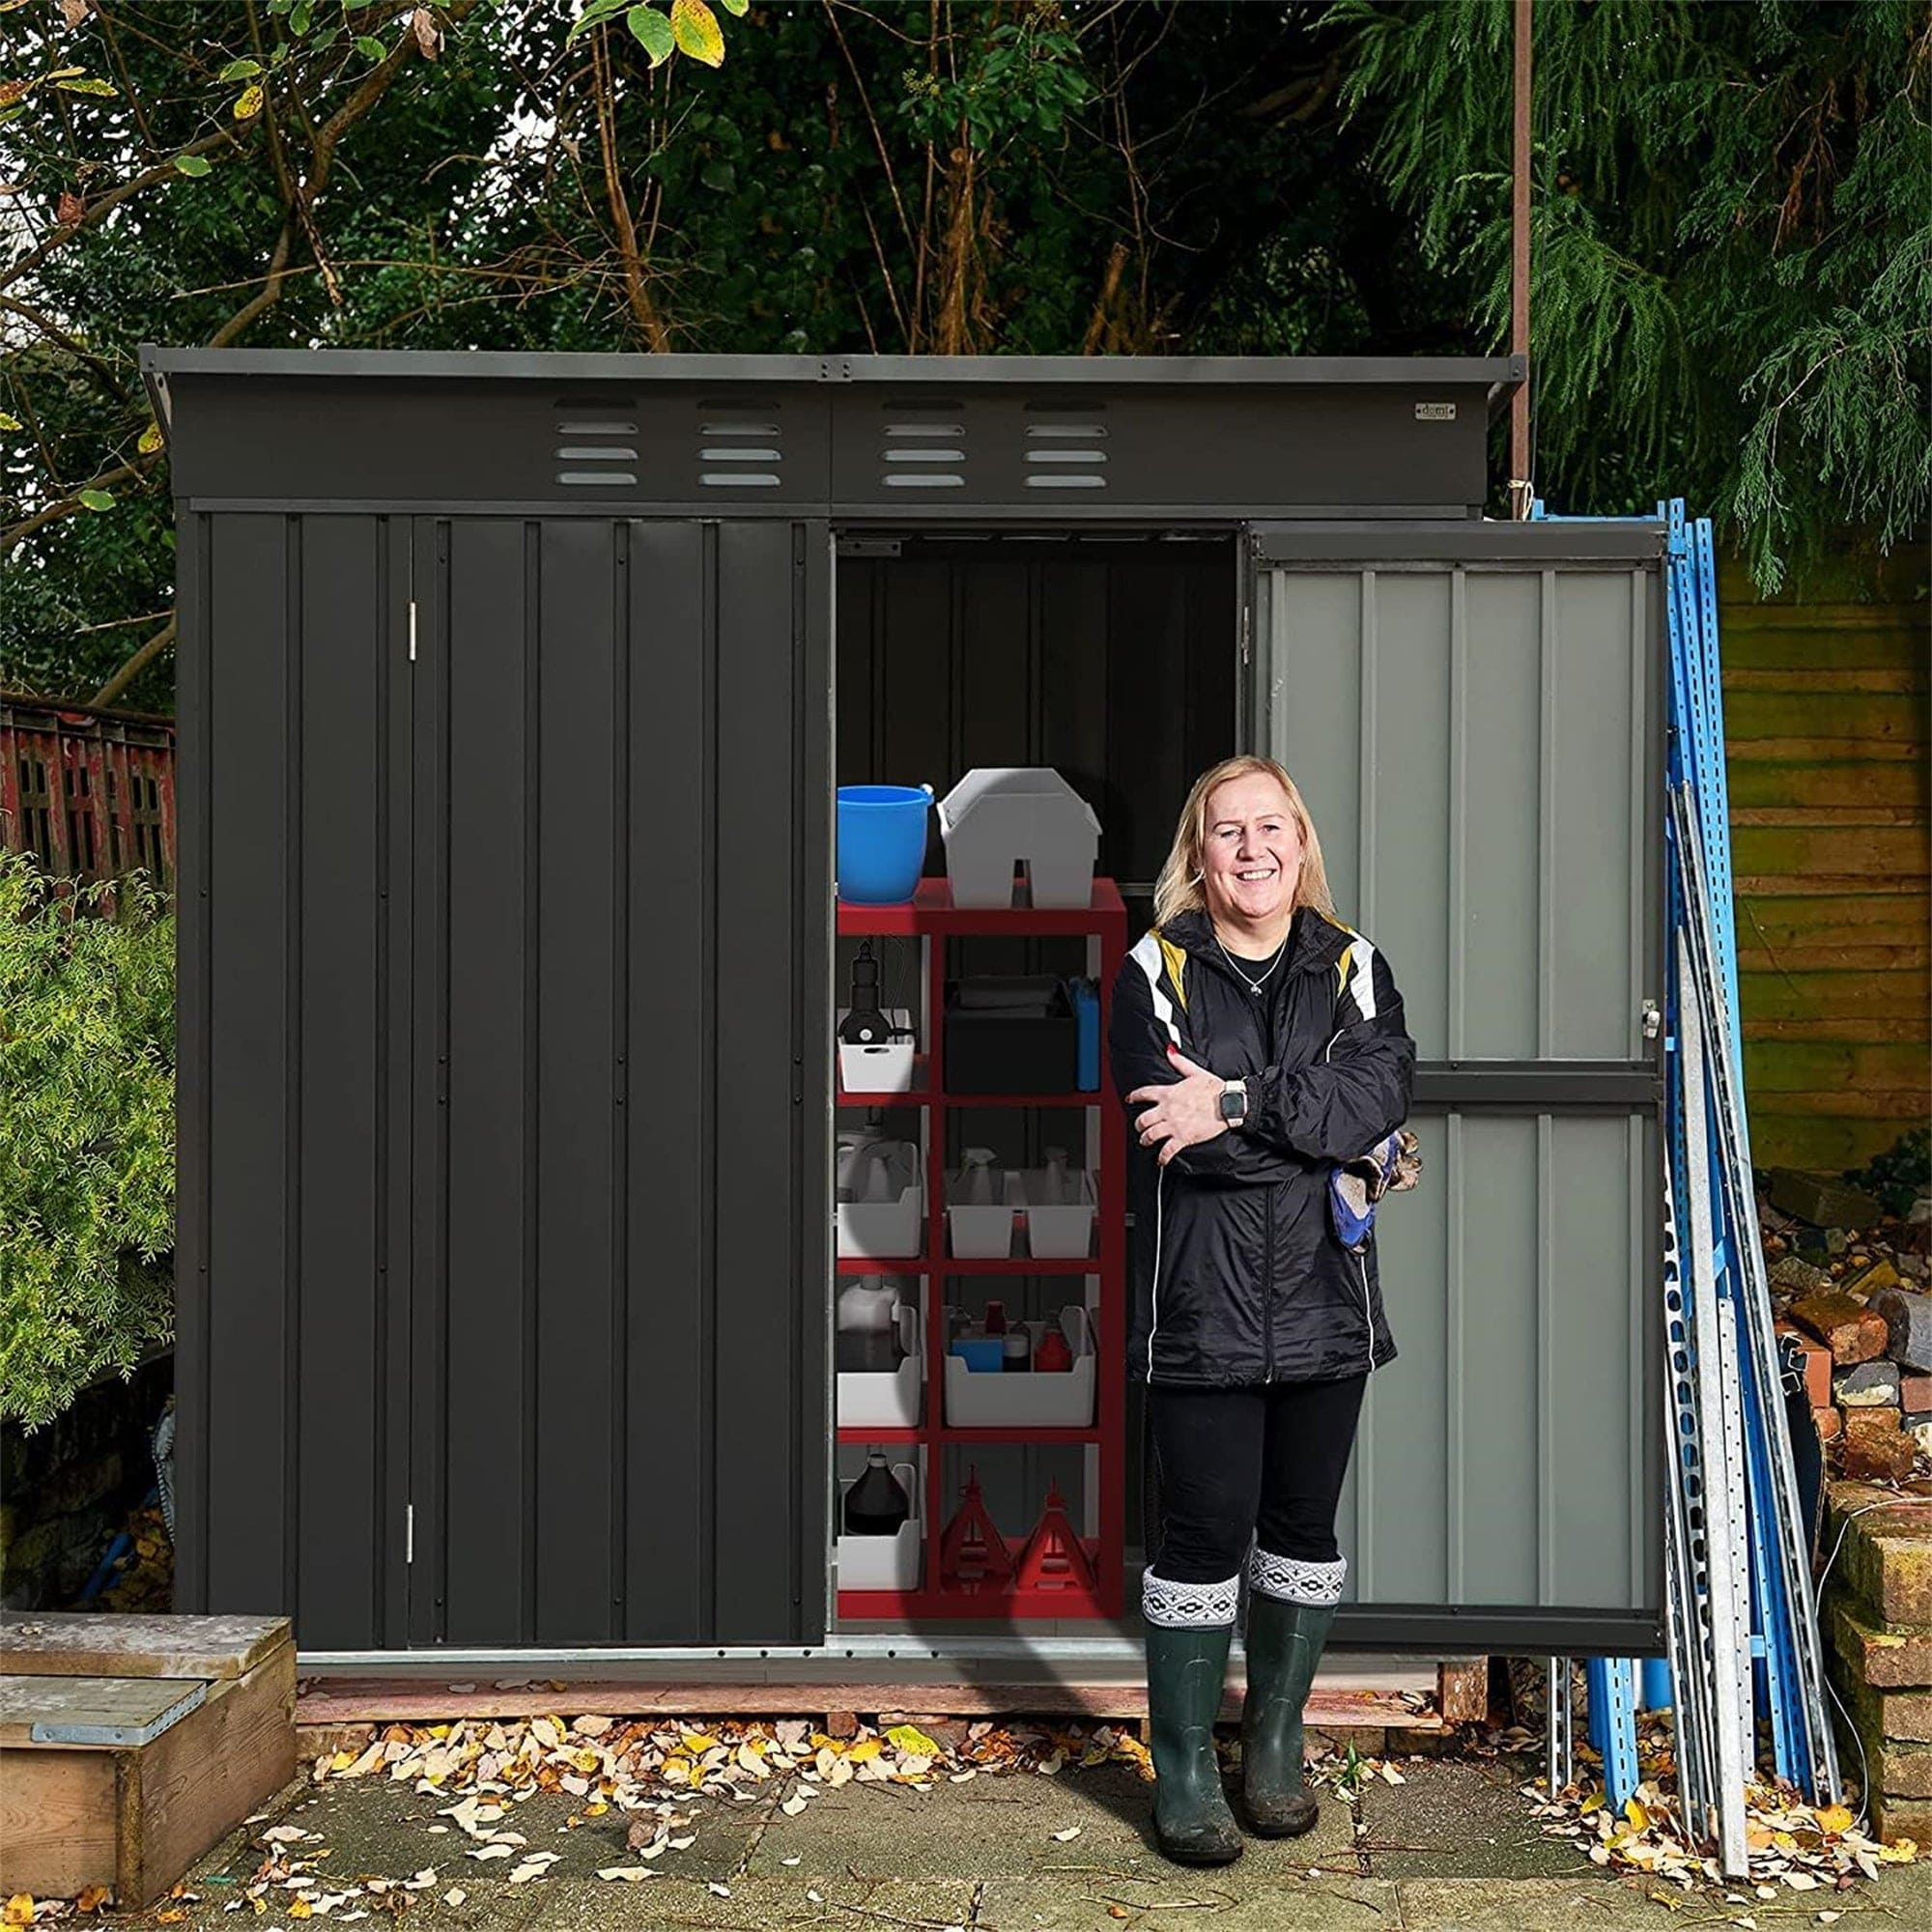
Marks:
<point>1732,244</point>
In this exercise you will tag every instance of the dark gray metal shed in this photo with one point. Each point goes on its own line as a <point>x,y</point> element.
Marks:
<point>513,691</point>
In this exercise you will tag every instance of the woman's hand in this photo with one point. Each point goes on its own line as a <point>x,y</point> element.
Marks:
<point>1182,1114</point>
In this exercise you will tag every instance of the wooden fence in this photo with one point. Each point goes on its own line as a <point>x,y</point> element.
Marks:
<point>1825,716</point>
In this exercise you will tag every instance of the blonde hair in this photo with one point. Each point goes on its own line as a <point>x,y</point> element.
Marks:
<point>1178,890</point>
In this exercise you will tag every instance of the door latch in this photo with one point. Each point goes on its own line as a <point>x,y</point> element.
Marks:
<point>1653,1019</point>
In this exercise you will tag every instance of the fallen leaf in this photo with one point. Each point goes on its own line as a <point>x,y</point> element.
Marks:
<point>793,1861</point>
<point>792,1807</point>
<point>1062,1837</point>
<point>493,1851</point>
<point>717,1890</point>
<point>456,1894</point>
<point>1833,1818</point>
<point>92,1897</point>
<point>914,1741</point>
<point>630,1874</point>
<point>20,1910</point>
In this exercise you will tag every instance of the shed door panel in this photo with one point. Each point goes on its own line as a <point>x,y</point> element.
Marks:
<point>612,1440</point>
<point>1474,722</point>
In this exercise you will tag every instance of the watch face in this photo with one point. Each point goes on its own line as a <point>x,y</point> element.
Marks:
<point>1235,1105</point>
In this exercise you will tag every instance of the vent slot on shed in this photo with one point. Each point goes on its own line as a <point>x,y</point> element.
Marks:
<point>739,455</point>
<point>1068,454</point>
<point>924,453</point>
<point>595,452</point>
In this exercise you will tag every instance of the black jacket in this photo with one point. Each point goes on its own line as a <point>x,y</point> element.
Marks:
<point>1237,1277</point>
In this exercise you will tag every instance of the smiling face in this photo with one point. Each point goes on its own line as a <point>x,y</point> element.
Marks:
<point>1250,854</point>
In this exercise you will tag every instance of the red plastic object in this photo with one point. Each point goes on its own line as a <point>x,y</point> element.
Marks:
<point>1052,1357</point>
<point>1054,1558</point>
<point>973,1555</point>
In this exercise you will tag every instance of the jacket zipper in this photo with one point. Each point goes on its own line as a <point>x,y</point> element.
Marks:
<point>1268,1290</point>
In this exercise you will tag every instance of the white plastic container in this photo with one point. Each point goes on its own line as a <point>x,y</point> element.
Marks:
<point>884,1562</point>
<point>1056,1230</point>
<point>1000,817</point>
<point>980,1230</point>
<point>884,1399</point>
<point>880,1230</point>
<point>1033,1399</point>
<point>878,1069</point>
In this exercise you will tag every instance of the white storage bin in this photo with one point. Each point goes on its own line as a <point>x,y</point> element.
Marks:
<point>1057,1231</point>
<point>882,1231</point>
<point>885,1400</point>
<point>978,1232</point>
<point>998,817</point>
<point>1028,1399</point>
<point>884,1562</point>
<point>878,1069</point>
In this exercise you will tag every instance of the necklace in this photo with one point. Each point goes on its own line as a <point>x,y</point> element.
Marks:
<point>1253,985</point>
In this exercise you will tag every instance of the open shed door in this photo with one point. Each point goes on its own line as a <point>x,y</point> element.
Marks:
<point>1474,714</point>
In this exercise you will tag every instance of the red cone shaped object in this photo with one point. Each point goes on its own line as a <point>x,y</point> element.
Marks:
<point>1055,1558</point>
<point>973,1555</point>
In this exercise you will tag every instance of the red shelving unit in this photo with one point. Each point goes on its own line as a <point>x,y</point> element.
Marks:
<point>933,919</point>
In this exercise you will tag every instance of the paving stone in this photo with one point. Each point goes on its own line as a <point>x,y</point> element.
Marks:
<point>1534,1905</point>
<point>1797,1274</point>
<point>1452,1819</point>
<point>1231,1898</point>
<point>1820,1200</point>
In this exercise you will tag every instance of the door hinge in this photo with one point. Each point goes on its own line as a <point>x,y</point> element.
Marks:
<point>408,1532</point>
<point>412,630</point>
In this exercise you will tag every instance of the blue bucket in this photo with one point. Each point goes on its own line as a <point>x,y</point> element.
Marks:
<point>881,842</point>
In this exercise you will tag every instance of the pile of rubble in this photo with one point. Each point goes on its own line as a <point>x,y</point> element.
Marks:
<point>1849,1287</point>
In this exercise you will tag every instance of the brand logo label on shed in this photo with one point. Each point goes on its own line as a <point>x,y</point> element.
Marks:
<point>1435,412</point>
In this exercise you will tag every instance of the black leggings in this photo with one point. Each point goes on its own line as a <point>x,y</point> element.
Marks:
<point>1235,1463</point>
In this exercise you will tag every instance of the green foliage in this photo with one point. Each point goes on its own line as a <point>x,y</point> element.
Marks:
<point>1731,270</point>
<point>1901,1174</point>
<point>87,1161</point>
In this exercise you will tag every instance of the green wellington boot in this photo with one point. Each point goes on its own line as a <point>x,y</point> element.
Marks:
<point>1284,1645</point>
<point>1186,1669</point>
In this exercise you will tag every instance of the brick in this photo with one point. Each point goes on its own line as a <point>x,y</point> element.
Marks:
<point>1907,1313</point>
<point>1889,1716</point>
<point>1898,1659</point>
<point>1870,1424</point>
<point>1886,1557</point>
<point>1828,1422</point>
<point>1868,1386</point>
<point>1915,1394</point>
<point>841,1723</point>
<point>1823,1202</point>
<point>1896,1818</point>
<point>1903,1771</point>
<point>1853,1332</point>
<point>1887,1459</point>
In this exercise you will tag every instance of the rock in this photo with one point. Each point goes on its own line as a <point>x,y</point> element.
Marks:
<point>1821,1200</point>
<point>1918,1426</point>
<point>1877,1458</point>
<point>1920,1210</point>
<point>842,1724</point>
<point>1828,1422</point>
<point>1853,1332</point>
<point>1915,1393</point>
<point>1836,1241</point>
<point>1907,1315</point>
<point>1869,1385</point>
<point>1869,1279</point>
<point>1800,1276</point>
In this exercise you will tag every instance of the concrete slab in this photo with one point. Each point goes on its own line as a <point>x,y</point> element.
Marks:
<point>1548,1905</point>
<point>1458,1819</point>
<point>1233,1899</point>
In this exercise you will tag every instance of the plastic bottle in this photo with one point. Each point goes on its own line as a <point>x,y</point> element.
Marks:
<point>995,1322</point>
<point>1058,1193</point>
<point>975,1184</point>
<point>877,1504</point>
<point>1053,1356</point>
<point>876,1175</point>
<point>1019,1349</point>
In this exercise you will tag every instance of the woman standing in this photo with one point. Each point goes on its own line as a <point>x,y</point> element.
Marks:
<point>1259,1045</point>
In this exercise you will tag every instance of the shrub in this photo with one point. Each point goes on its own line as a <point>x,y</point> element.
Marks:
<point>87,1133</point>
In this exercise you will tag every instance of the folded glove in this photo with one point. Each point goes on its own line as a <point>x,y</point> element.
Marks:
<point>1354,1186</point>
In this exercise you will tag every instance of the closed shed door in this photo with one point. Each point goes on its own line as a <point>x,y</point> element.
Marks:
<point>1473,714</point>
<point>621,875</point>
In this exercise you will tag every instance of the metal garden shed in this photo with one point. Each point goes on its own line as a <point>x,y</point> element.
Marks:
<point>513,691</point>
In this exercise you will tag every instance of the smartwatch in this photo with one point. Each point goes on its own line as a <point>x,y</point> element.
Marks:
<point>1234,1102</point>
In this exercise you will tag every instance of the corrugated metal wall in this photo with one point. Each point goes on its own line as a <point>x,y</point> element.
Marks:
<point>503,925</point>
<point>1827,718</point>
<point>1477,739</point>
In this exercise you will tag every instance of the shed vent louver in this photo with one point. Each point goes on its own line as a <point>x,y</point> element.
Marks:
<point>1066,455</point>
<point>924,455</point>
<point>735,455</point>
<point>595,452</point>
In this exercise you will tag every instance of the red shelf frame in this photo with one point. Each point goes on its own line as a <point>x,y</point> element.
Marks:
<point>932,918</point>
